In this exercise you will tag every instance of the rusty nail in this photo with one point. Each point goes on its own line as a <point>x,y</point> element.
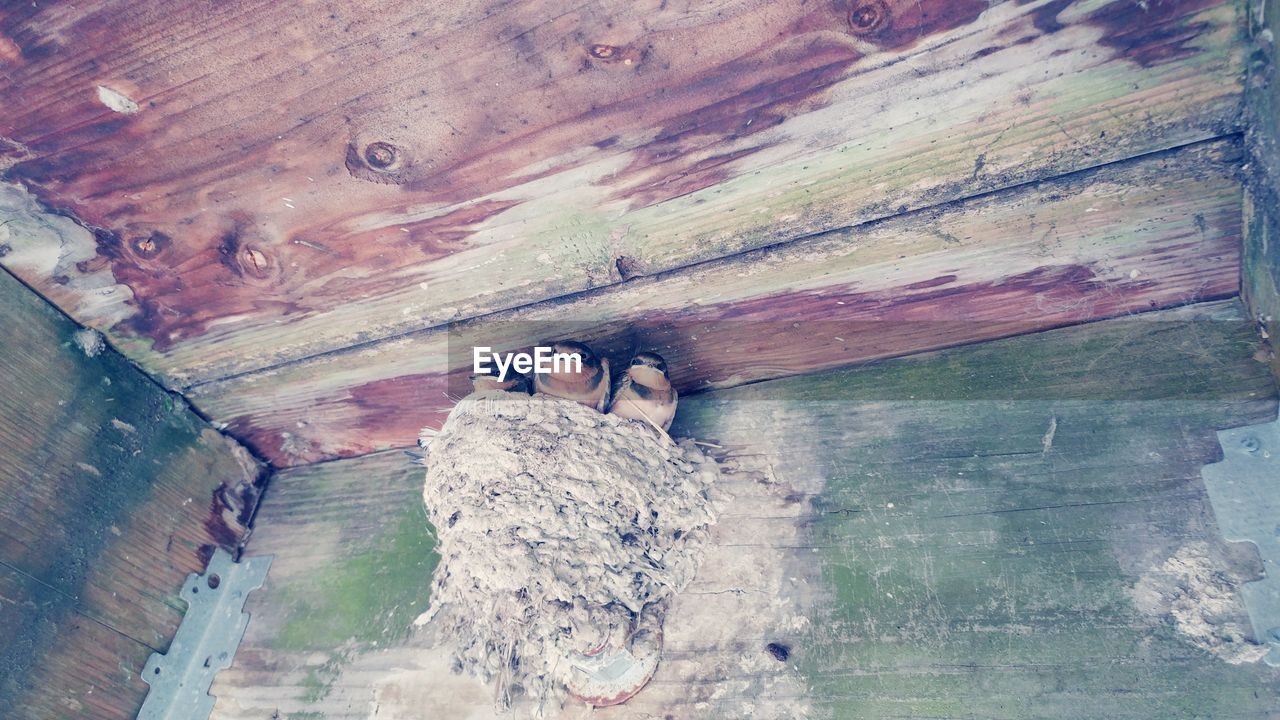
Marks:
<point>380,155</point>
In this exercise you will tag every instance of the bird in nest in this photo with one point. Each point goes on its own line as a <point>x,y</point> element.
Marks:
<point>644,392</point>
<point>588,383</point>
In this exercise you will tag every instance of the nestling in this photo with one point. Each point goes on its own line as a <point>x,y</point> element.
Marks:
<point>644,392</point>
<point>588,385</point>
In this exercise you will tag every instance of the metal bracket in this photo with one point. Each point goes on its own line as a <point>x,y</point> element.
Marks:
<point>206,640</point>
<point>1244,490</point>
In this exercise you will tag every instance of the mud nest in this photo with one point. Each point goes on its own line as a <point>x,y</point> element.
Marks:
<point>561,531</point>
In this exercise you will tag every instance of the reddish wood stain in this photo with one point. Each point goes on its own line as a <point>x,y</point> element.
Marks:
<point>237,190</point>
<point>1149,33</point>
<point>781,334</point>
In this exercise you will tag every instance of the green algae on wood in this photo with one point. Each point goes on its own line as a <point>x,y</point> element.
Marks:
<point>367,597</point>
<point>111,492</point>
<point>353,562</point>
<point>986,512</point>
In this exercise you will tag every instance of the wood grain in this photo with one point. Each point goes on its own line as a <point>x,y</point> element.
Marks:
<point>279,182</point>
<point>1130,237</point>
<point>91,669</point>
<point>1260,272</point>
<point>904,528</point>
<point>111,492</point>
<point>357,583</point>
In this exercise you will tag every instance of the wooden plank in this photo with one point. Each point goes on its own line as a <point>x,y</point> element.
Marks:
<point>912,530</point>
<point>91,668</point>
<point>1260,274</point>
<point>987,512</point>
<point>357,584</point>
<point>250,170</point>
<point>1130,237</point>
<point>111,492</point>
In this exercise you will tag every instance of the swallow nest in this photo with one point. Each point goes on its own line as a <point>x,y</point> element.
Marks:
<point>557,527</point>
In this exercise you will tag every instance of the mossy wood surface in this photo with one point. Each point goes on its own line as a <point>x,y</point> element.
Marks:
<point>1142,234</point>
<point>352,571</point>
<point>949,535</point>
<point>1260,276</point>
<point>269,182</point>
<point>111,492</point>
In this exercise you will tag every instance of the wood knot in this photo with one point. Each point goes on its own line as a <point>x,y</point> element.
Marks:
<point>603,52</point>
<point>779,651</point>
<point>244,258</point>
<point>381,156</point>
<point>868,18</point>
<point>378,162</point>
<point>149,246</point>
<point>254,262</point>
<point>626,55</point>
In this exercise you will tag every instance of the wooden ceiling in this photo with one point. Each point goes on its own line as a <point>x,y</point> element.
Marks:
<point>296,213</point>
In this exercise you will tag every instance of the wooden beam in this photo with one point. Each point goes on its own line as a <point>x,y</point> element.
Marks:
<point>111,492</point>
<point>953,534</point>
<point>270,183</point>
<point>1143,234</point>
<point>1260,274</point>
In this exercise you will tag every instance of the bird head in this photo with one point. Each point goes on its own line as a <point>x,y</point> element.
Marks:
<point>572,347</point>
<point>650,359</point>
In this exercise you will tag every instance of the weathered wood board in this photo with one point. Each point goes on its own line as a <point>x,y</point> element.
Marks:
<point>954,534</point>
<point>89,669</point>
<point>352,570</point>
<point>1260,276</point>
<point>111,492</point>
<point>1147,233</point>
<point>268,182</point>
